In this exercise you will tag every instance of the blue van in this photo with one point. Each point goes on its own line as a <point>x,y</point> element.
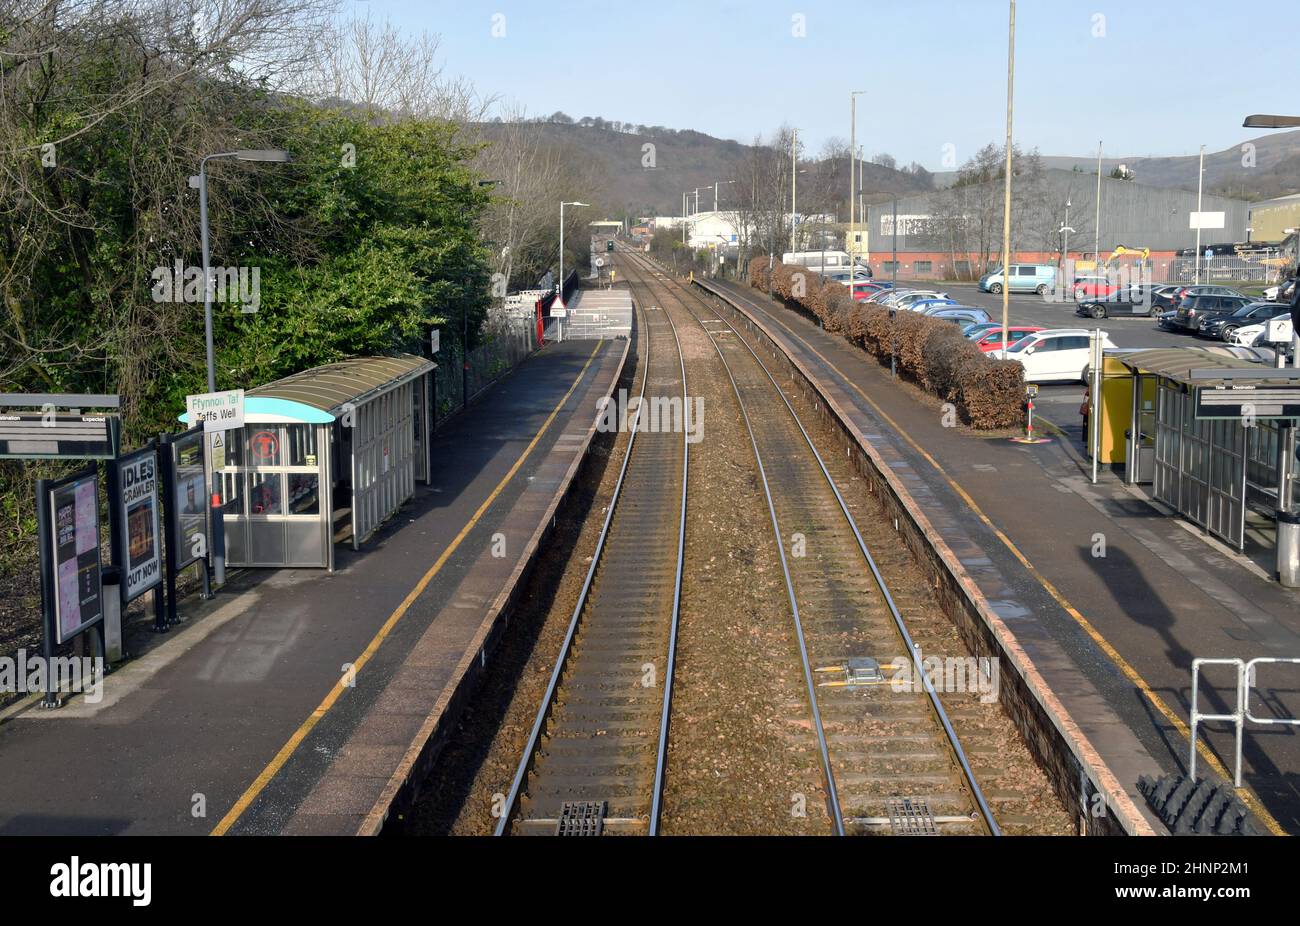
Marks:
<point>1025,278</point>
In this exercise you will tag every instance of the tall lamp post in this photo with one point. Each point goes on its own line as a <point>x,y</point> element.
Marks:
<point>561,283</point>
<point>1006,196</point>
<point>853,146</point>
<point>200,182</point>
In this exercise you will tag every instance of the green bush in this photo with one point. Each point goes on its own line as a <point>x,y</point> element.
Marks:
<point>932,352</point>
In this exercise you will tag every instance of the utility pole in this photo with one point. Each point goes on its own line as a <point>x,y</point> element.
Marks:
<point>851,241</point>
<point>1200,185</point>
<point>1006,194</point>
<point>1096,225</point>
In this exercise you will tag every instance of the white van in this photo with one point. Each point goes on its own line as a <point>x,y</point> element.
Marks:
<point>826,261</point>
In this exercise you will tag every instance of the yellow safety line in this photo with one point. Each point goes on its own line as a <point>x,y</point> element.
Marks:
<point>1247,795</point>
<point>273,767</point>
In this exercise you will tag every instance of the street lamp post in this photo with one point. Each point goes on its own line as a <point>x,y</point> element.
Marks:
<point>200,182</point>
<point>560,288</point>
<point>853,146</point>
<point>1006,195</point>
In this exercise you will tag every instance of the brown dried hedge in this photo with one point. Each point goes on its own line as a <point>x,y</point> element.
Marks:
<point>989,393</point>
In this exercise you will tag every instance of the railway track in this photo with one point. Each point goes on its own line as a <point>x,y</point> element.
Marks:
<point>594,759</point>
<point>892,760</point>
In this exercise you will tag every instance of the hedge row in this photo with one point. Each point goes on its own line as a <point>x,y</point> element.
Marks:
<point>932,352</point>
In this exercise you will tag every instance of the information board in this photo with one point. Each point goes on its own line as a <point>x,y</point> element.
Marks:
<point>1239,402</point>
<point>137,487</point>
<point>190,499</point>
<point>74,520</point>
<point>37,436</point>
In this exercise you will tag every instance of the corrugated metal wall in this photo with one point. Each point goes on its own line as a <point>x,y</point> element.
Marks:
<point>1131,214</point>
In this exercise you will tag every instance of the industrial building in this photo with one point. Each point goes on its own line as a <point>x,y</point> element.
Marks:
<point>954,232</point>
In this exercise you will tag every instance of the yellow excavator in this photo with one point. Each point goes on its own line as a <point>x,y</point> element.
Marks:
<point>1089,266</point>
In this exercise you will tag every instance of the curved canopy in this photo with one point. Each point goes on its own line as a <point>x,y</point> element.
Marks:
<point>317,396</point>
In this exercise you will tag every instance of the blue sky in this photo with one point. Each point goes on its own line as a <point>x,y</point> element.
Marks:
<point>1164,78</point>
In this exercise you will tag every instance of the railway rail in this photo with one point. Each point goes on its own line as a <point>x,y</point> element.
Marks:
<point>594,759</point>
<point>891,758</point>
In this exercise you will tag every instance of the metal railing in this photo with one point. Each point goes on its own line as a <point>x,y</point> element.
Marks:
<point>506,343</point>
<point>1241,714</point>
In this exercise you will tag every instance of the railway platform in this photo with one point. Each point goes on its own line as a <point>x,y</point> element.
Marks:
<point>1114,635</point>
<point>297,701</point>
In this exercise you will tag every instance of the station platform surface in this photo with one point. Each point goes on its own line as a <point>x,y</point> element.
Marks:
<point>1131,621</point>
<point>287,703</point>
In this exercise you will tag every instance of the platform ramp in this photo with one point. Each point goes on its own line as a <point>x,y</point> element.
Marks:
<point>599,313</point>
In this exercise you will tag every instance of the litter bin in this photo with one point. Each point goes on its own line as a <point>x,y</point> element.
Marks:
<point>1288,548</point>
<point>111,576</point>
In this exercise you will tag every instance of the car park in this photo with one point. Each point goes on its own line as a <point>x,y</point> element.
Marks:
<point>1054,354</point>
<point>1222,327</point>
<point>1022,278</point>
<point>1194,307</point>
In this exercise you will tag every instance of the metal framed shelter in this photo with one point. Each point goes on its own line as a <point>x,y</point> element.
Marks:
<point>324,455</point>
<point>1219,430</point>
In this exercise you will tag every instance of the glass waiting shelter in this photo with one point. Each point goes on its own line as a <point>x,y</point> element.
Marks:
<point>324,456</point>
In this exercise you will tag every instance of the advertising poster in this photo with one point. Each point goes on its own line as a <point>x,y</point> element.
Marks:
<point>191,498</point>
<point>137,480</point>
<point>75,517</point>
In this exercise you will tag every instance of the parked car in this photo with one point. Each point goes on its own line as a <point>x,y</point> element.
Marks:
<point>991,338</point>
<point>1094,288</point>
<point>930,306</point>
<point>961,314</point>
<point>1282,292</point>
<point>974,331</point>
<point>1165,298</point>
<point>1194,307</point>
<point>907,300</point>
<point>1167,320</point>
<point>1221,327</point>
<point>1254,335</point>
<point>1023,278</point>
<point>1053,355</point>
<point>1092,308</point>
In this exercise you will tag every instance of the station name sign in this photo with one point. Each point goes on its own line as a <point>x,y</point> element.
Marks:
<point>217,411</point>
<point>1239,402</point>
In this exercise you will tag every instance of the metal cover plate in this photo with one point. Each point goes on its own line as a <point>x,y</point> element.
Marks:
<point>581,818</point>
<point>910,816</point>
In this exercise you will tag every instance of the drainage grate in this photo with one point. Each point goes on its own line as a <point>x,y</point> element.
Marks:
<point>581,818</point>
<point>910,816</point>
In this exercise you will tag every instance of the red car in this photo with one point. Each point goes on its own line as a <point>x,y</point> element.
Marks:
<point>992,339</point>
<point>864,290</point>
<point>1094,288</point>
